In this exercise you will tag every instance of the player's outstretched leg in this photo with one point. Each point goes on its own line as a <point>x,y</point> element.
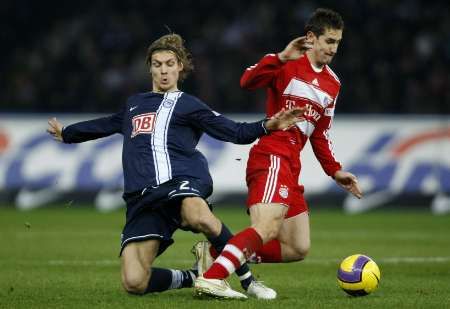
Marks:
<point>292,245</point>
<point>163,279</point>
<point>257,289</point>
<point>205,253</point>
<point>210,288</point>
<point>216,288</point>
<point>139,277</point>
<point>266,223</point>
<point>212,282</point>
<point>218,243</point>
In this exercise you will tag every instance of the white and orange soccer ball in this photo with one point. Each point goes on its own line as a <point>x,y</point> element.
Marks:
<point>358,275</point>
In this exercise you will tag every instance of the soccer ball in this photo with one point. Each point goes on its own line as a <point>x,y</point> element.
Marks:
<point>358,275</point>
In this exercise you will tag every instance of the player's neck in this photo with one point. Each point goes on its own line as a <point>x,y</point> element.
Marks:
<point>315,65</point>
<point>157,89</point>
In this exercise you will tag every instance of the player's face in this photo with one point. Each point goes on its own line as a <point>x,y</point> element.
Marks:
<point>165,69</point>
<point>325,46</point>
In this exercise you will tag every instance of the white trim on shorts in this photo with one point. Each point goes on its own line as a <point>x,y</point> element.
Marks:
<point>272,178</point>
<point>187,193</point>
<point>150,236</point>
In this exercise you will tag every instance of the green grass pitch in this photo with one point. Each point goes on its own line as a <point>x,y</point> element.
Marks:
<point>66,257</point>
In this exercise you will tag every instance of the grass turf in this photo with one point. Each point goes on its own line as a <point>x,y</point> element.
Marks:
<point>66,257</point>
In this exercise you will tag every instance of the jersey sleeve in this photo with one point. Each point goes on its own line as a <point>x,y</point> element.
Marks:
<point>92,129</point>
<point>202,117</point>
<point>322,146</point>
<point>263,74</point>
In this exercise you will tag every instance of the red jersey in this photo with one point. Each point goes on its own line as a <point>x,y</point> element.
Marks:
<point>298,83</point>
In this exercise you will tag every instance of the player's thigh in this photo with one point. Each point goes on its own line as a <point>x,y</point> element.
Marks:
<point>267,219</point>
<point>137,259</point>
<point>195,213</point>
<point>295,232</point>
<point>192,208</point>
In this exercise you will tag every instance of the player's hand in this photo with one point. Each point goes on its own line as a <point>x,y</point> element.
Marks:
<point>295,49</point>
<point>349,182</point>
<point>284,119</point>
<point>55,129</point>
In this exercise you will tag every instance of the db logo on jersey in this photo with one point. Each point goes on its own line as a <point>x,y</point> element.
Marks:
<point>284,191</point>
<point>143,124</point>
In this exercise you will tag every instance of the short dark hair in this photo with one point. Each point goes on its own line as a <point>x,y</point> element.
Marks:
<point>323,19</point>
<point>175,43</point>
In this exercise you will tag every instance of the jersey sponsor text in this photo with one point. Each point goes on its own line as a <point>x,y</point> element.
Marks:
<point>143,124</point>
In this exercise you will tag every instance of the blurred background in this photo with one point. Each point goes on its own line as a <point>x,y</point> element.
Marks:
<point>89,56</point>
<point>79,59</point>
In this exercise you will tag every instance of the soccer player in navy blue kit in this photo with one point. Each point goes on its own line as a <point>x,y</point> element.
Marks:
<point>166,179</point>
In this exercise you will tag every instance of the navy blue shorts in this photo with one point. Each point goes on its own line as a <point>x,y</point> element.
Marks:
<point>154,213</point>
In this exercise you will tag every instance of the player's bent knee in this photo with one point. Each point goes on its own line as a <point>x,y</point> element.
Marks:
<point>268,231</point>
<point>301,251</point>
<point>272,232</point>
<point>301,254</point>
<point>135,283</point>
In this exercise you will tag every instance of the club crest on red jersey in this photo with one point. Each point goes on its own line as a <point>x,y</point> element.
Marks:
<point>283,191</point>
<point>143,124</point>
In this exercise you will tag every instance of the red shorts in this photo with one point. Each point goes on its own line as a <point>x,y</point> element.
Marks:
<point>273,178</point>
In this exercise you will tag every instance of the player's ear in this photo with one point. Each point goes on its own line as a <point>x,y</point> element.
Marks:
<point>310,36</point>
<point>180,66</point>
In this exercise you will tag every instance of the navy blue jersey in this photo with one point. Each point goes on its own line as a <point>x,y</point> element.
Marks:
<point>160,135</point>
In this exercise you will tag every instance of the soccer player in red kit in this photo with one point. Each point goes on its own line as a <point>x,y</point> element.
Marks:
<point>297,76</point>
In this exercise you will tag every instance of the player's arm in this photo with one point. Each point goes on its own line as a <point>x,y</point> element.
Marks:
<point>263,74</point>
<point>322,146</point>
<point>86,130</point>
<point>225,129</point>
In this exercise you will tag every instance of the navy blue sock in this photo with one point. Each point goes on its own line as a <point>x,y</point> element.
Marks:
<point>219,242</point>
<point>163,279</point>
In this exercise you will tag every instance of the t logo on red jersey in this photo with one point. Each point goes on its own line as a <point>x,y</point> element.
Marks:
<point>143,124</point>
<point>289,104</point>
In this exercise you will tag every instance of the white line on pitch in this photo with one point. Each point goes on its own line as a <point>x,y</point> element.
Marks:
<point>390,260</point>
<point>115,262</point>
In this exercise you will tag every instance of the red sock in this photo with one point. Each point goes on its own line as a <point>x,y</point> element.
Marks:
<point>270,252</point>
<point>232,256</point>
